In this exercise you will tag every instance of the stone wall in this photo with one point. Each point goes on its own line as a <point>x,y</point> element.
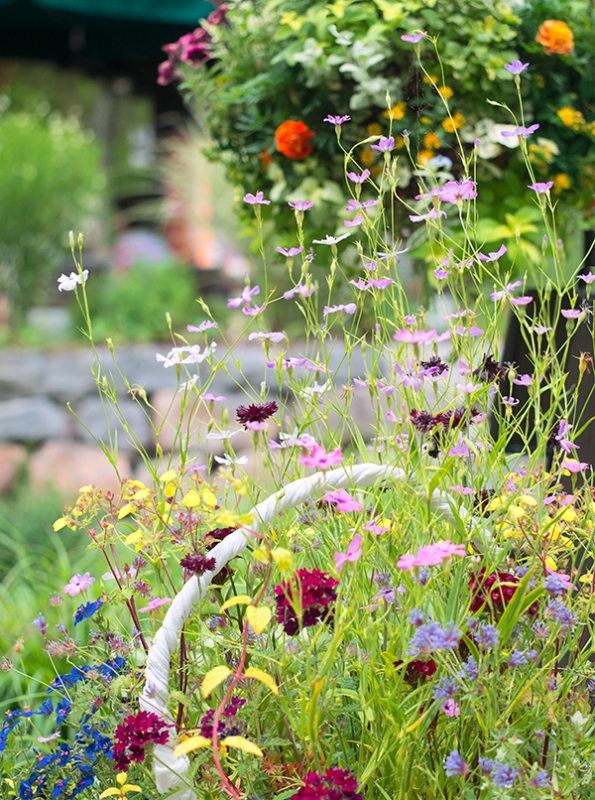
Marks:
<point>51,413</point>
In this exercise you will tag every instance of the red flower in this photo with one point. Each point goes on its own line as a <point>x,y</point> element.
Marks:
<point>494,592</point>
<point>134,734</point>
<point>309,593</point>
<point>293,139</point>
<point>334,784</point>
<point>258,412</point>
<point>198,564</point>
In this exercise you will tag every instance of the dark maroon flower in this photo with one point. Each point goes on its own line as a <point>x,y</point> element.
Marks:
<point>133,735</point>
<point>304,600</point>
<point>334,784</point>
<point>493,592</point>
<point>423,421</point>
<point>418,669</point>
<point>257,412</point>
<point>228,725</point>
<point>434,365</point>
<point>216,535</point>
<point>198,564</point>
<point>457,417</point>
<point>490,370</point>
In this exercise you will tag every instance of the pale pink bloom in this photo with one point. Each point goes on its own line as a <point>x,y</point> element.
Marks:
<point>432,214</point>
<point>415,337</point>
<point>572,313</point>
<point>353,176</point>
<point>342,500</point>
<point>354,552</point>
<point>349,308</point>
<point>318,458</point>
<point>520,301</point>
<point>441,274</point>
<point>253,311</point>
<point>256,199</point>
<point>413,38</point>
<point>540,330</point>
<point>523,380</point>
<point>43,739</point>
<point>493,256</point>
<point>275,336</point>
<point>450,708</point>
<point>375,529</point>
<point>473,331</point>
<point>289,252</point>
<point>155,603</point>
<point>79,583</point>
<point>211,398</point>
<point>302,289</point>
<point>464,490</point>
<point>574,466</point>
<point>245,297</point>
<point>431,555</point>
<point>461,449</point>
<point>204,326</point>
<point>352,223</point>
<point>589,277</point>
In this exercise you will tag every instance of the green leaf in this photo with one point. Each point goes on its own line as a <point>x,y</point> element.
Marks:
<point>521,600</point>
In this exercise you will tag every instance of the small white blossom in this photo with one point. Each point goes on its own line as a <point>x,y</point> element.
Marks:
<point>66,283</point>
<point>228,461</point>
<point>188,354</point>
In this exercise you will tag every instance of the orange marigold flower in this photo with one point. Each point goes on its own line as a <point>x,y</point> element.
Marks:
<point>556,37</point>
<point>446,92</point>
<point>450,125</point>
<point>397,111</point>
<point>265,158</point>
<point>561,182</point>
<point>425,156</point>
<point>431,141</point>
<point>293,139</point>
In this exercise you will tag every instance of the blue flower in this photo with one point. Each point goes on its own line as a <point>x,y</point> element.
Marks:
<point>455,765</point>
<point>62,710</point>
<point>445,689</point>
<point>487,636</point>
<point>470,669</point>
<point>60,786</point>
<point>503,775</point>
<point>517,658</point>
<point>86,611</point>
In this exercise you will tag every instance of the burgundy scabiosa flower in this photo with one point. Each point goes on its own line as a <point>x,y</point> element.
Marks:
<point>494,591</point>
<point>198,563</point>
<point>304,600</point>
<point>257,413</point>
<point>334,784</point>
<point>489,370</point>
<point>423,421</point>
<point>133,735</point>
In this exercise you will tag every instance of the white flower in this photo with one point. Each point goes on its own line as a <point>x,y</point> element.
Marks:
<point>331,239</point>
<point>189,354</point>
<point>228,461</point>
<point>222,434</point>
<point>66,283</point>
<point>189,384</point>
<point>316,389</point>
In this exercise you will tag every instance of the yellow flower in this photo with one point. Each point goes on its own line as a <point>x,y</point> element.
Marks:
<point>556,37</point>
<point>570,116</point>
<point>425,156</point>
<point>367,156</point>
<point>446,92</point>
<point>451,125</point>
<point>561,182</point>
<point>396,112</point>
<point>121,790</point>
<point>425,120</point>
<point>430,79</point>
<point>374,129</point>
<point>431,141</point>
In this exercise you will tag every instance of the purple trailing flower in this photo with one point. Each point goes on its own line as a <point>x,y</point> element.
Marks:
<point>353,176</point>
<point>385,145</point>
<point>541,187</point>
<point>520,131</point>
<point>289,252</point>
<point>301,205</point>
<point>455,765</point>
<point>413,38</point>
<point>493,256</point>
<point>256,199</point>
<point>337,120</point>
<point>516,67</point>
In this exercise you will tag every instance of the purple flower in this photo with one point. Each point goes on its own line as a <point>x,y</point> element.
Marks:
<point>493,256</point>
<point>452,192</point>
<point>589,277</point>
<point>432,214</point>
<point>349,308</point>
<point>245,297</point>
<point>354,550</point>
<point>540,780</point>
<point>41,624</point>
<point>336,120</point>
<point>450,708</point>
<point>204,326</point>
<point>302,289</point>
<point>561,614</point>
<point>385,145</point>
<point>454,765</point>
<point>352,223</point>
<point>541,187</point>
<point>441,274</point>
<point>413,38</point>
<point>431,636</point>
<point>557,583</point>
<point>510,401</point>
<point>571,313</point>
<point>487,636</point>
<point>275,336</point>
<point>445,689</point>
<point>470,669</point>
<point>86,610</point>
<point>516,67</point>
<point>256,199</point>
<point>289,252</point>
<point>301,205</point>
<point>517,658</point>
<point>342,501</point>
<point>563,429</point>
<point>520,131</point>
<point>503,775</point>
<point>353,176</point>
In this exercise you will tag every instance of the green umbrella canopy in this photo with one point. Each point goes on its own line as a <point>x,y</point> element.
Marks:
<point>95,32</point>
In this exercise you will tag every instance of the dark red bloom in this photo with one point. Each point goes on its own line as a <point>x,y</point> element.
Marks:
<point>257,412</point>
<point>489,370</point>
<point>418,669</point>
<point>304,600</point>
<point>226,726</point>
<point>216,535</point>
<point>456,417</point>
<point>197,563</point>
<point>423,421</point>
<point>494,592</point>
<point>334,784</point>
<point>434,365</point>
<point>133,735</point>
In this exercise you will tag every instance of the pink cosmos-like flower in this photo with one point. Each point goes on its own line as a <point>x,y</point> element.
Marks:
<point>589,277</point>
<point>337,120</point>
<point>79,583</point>
<point>155,603</point>
<point>245,297</point>
<point>275,336</point>
<point>493,256</point>
<point>432,214</point>
<point>289,252</point>
<point>342,500</point>
<point>500,295</point>
<point>574,466</point>
<point>211,398</point>
<point>385,145</point>
<point>256,199</point>
<point>520,131</point>
<point>204,326</point>
<point>523,380</point>
<point>413,38</point>
<point>450,708</point>
<point>353,176</point>
<point>354,552</point>
<point>516,67</point>
<point>455,191</point>
<point>353,223</point>
<point>572,313</point>
<point>350,308</point>
<point>301,205</point>
<point>541,187</point>
<point>318,458</point>
<point>431,555</point>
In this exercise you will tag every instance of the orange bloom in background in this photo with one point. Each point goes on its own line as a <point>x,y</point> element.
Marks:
<point>556,37</point>
<point>293,139</point>
<point>431,141</point>
<point>451,125</point>
<point>265,158</point>
<point>561,182</point>
<point>396,112</point>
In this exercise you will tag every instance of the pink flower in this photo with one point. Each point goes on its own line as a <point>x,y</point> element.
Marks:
<point>441,274</point>
<point>301,205</point>
<point>413,38</point>
<point>253,311</point>
<point>432,214</point>
<point>571,313</point>
<point>541,187</point>
<point>302,289</point>
<point>342,500</point>
<point>415,337</point>
<point>589,277</point>
<point>289,252</point>
<point>375,529</point>
<point>520,301</point>
<point>155,603</point>
<point>352,223</point>
<point>574,466</point>
<point>500,295</point>
<point>350,308</point>
<point>431,555</point>
<point>464,490</point>
<point>204,326</point>
<point>245,297</point>
<point>493,256</point>
<point>79,583</point>
<point>318,458</point>
<point>450,708</point>
<point>353,176</point>
<point>275,336</point>
<point>256,199</point>
<point>354,553</point>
